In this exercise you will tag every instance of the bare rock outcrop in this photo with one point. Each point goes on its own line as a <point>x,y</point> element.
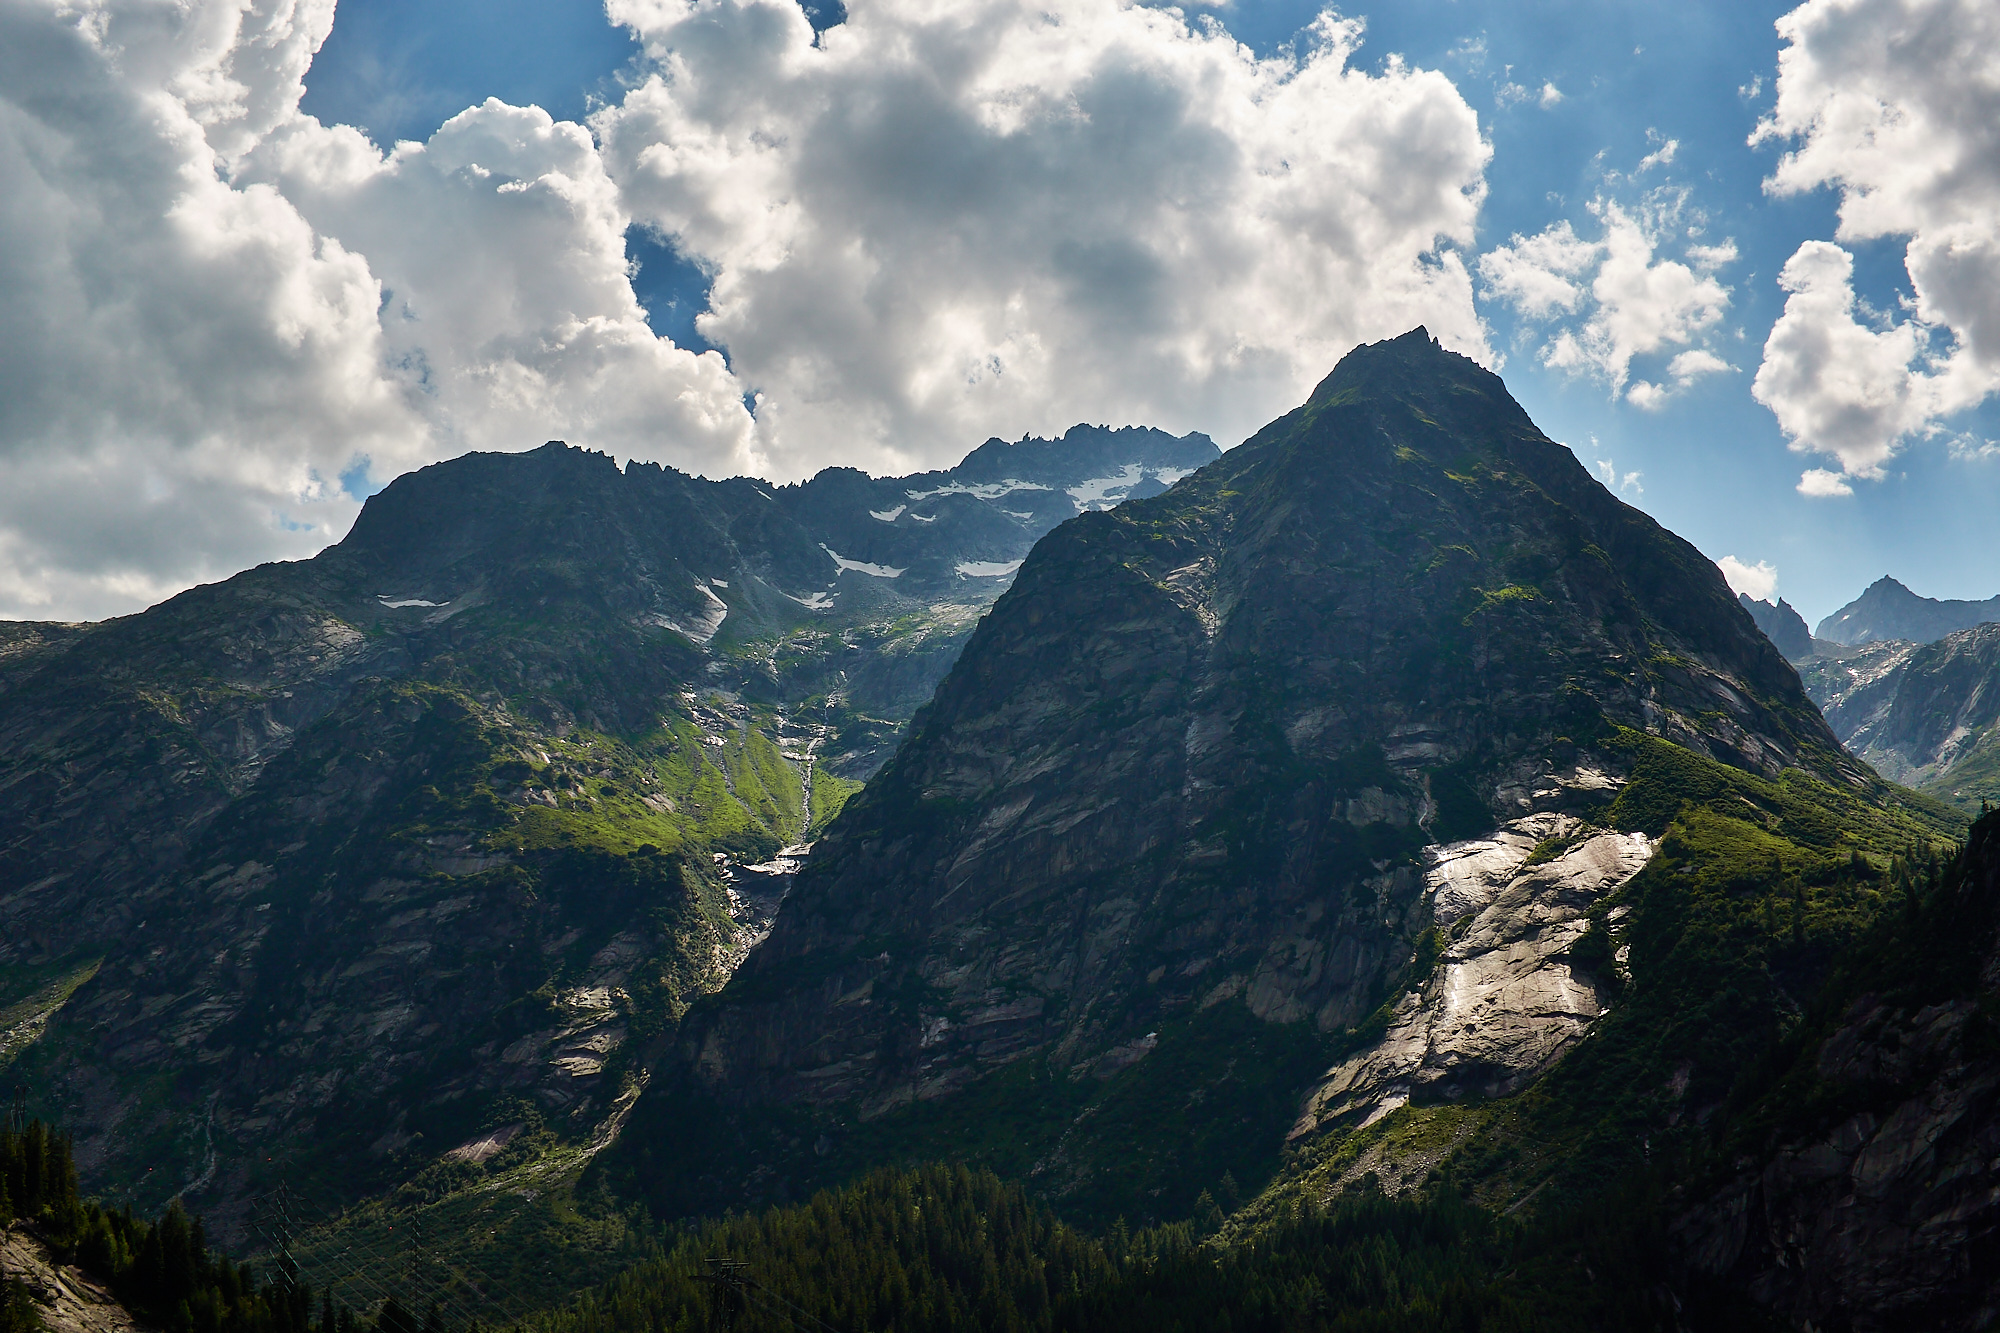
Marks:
<point>65,1299</point>
<point>1504,1002</point>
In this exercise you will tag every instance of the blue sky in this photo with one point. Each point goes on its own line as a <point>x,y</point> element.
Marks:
<point>344,252</point>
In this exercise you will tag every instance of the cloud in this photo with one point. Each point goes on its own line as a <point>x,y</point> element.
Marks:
<point>1837,386</point>
<point>1822,484</point>
<point>507,307</point>
<point>196,340</point>
<point>180,360</point>
<point>1692,365</point>
<point>1660,156</point>
<point>1896,104</point>
<point>1607,471</point>
<point>930,226</point>
<point>1551,96</point>
<point>1684,370</point>
<point>942,223</point>
<point>1638,303</point>
<point>1537,275</point>
<point>1759,582</point>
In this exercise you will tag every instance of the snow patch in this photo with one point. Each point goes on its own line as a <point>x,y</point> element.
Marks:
<point>706,621</point>
<point>887,515</point>
<point>408,601</point>
<point>1025,518</point>
<point>861,566</point>
<point>819,601</point>
<point>924,518</point>
<point>1097,492</point>
<point>1167,476</point>
<point>985,490</point>
<point>720,583</point>
<point>987,569</point>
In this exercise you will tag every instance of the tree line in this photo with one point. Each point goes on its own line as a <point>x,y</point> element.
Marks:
<point>943,1249</point>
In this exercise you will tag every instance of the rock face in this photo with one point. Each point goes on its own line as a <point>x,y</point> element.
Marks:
<point>1505,1001</point>
<point>1924,715</point>
<point>338,864</point>
<point>1782,625</point>
<point>1875,1203</point>
<point>65,1300</point>
<point>1888,611</point>
<point>1193,757</point>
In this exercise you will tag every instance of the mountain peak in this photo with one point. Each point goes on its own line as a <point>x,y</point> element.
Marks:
<point>1889,610</point>
<point>1397,366</point>
<point>1782,625</point>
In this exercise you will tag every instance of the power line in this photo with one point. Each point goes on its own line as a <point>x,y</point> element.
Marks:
<point>360,1267</point>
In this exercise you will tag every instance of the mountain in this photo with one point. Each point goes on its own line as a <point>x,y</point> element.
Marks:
<point>1852,1183</point>
<point>1259,810</point>
<point>333,868</point>
<point>1923,714</point>
<point>1782,625</point>
<point>1375,877</point>
<point>1889,611</point>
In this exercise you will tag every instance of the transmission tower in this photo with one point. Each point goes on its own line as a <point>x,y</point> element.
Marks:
<point>730,1287</point>
<point>276,1227</point>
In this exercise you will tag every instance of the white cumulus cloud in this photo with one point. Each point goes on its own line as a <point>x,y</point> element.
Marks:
<point>1683,370</point>
<point>1759,582</point>
<point>212,307</point>
<point>1635,302</point>
<point>935,224</point>
<point>508,311</point>
<point>1896,104</point>
<point>1836,385</point>
<point>1539,275</point>
<point>942,222</point>
<point>1822,484</point>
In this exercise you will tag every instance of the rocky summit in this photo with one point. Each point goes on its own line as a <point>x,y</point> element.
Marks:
<point>1782,625</point>
<point>1887,611</point>
<point>1354,697</point>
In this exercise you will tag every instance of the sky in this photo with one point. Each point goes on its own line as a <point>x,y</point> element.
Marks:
<point>258,257</point>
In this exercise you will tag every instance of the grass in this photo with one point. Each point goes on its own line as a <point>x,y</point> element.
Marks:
<point>52,983</point>
<point>830,794</point>
<point>491,1243</point>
